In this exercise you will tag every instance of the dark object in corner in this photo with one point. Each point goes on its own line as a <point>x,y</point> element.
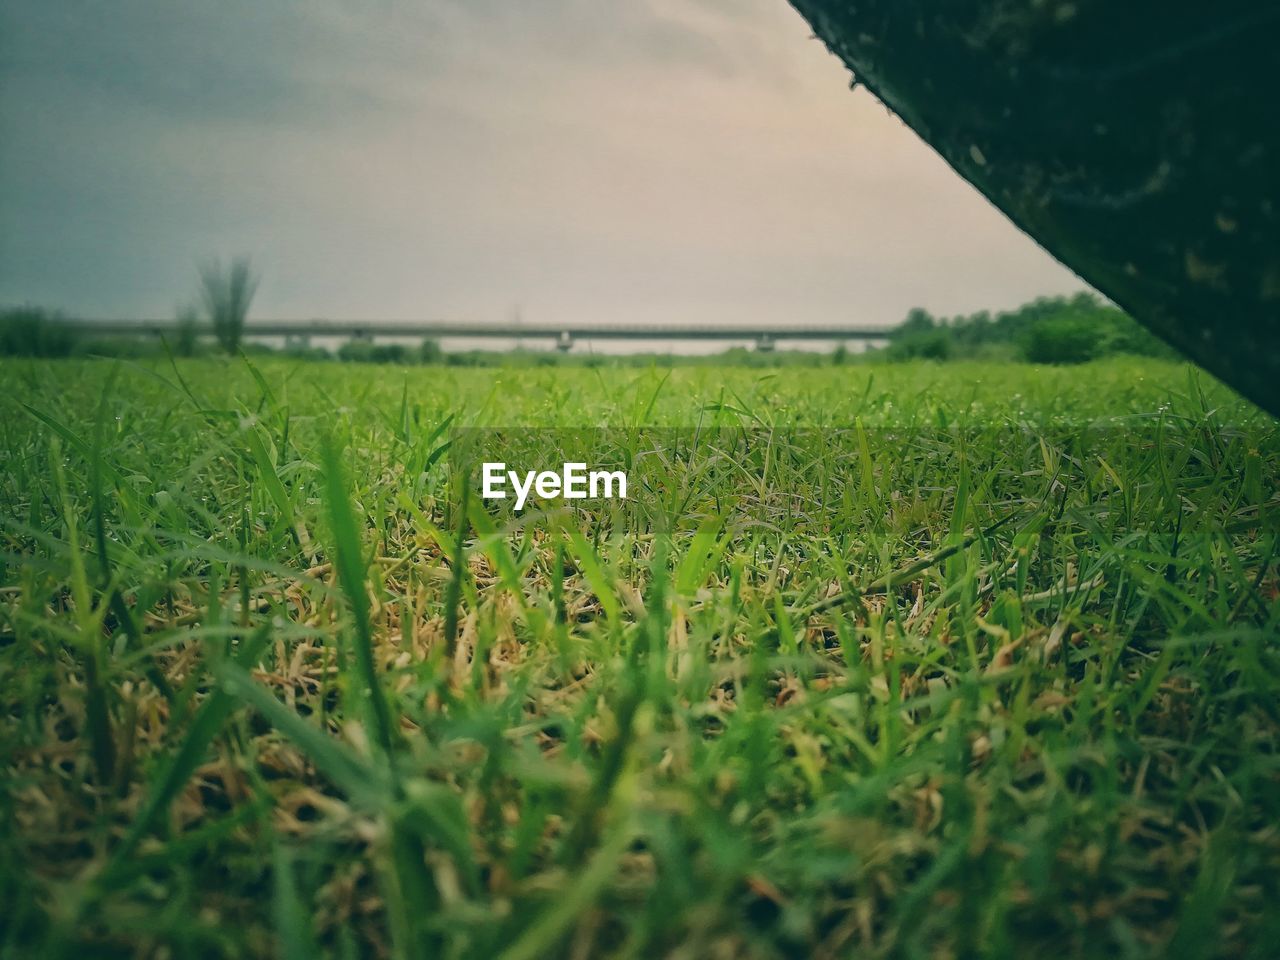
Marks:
<point>1137,142</point>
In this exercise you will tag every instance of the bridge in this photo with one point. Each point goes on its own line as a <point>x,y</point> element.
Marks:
<point>563,336</point>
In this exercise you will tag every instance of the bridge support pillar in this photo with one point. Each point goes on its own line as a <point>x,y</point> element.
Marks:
<point>765,343</point>
<point>564,342</point>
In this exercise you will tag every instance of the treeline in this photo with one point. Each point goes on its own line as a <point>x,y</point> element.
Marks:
<point>1046,330</point>
<point>33,332</point>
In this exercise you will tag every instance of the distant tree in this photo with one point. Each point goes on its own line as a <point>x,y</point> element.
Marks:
<point>357,350</point>
<point>1045,330</point>
<point>935,343</point>
<point>918,321</point>
<point>429,351</point>
<point>1064,339</point>
<point>391,353</point>
<point>1085,301</point>
<point>921,336</point>
<point>361,350</point>
<point>227,293</point>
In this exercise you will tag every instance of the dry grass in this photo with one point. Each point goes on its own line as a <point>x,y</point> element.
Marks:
<point>898,675</point>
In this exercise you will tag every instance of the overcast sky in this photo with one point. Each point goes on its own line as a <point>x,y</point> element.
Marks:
<point>580,160</point>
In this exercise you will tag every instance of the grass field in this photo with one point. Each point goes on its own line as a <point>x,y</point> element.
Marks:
<point>887,660</point>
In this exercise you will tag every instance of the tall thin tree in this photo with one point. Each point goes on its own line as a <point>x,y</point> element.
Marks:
<point>227,293</point>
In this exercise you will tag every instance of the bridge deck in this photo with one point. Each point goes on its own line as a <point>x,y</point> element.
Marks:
<point>433,328</point>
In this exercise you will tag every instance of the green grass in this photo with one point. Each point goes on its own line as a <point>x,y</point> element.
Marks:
<point>910,661</point>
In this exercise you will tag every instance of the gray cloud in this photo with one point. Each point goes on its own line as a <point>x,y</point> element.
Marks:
<point>185,60</point>
<point>652,160</point>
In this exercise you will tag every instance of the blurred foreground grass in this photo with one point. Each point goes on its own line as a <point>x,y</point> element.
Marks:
<point>944,661</point>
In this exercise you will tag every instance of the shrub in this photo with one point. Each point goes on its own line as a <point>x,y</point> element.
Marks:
<point>390,353</point>
<point>356,351</point>
<point>1065,339</point>
<point>1126,335</point>
<point>122,348</point>
<point>921,337</point>
<point>359,350</point>
<point>34,332</point>
<point>935,343</point>
<point>299,351</point>
<point>1045,330</point>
